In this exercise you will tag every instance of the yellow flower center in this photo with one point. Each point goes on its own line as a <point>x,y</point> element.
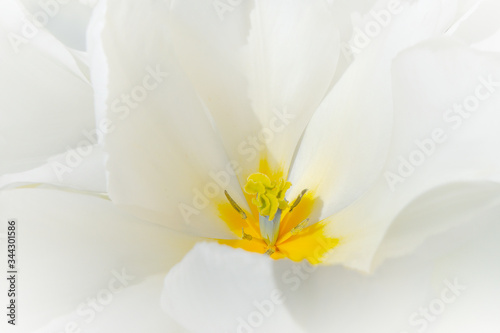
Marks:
<point>274,226</point>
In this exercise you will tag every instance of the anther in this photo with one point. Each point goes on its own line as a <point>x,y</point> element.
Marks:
<point>270,251</point>
<point>245,236</point>
<point>297,201</point>
<point>235,206</point>
<point>301,226</point>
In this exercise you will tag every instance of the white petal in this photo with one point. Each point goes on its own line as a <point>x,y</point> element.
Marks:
<point>71,246</point>
<point>293,52</point>
<point>166,162</point>
<point>479,23</point>
<point>345,14</point>
<point>428,81</point>
<point>476,266</point>
<point>480,28</point>
<point>216,288</point>
<point>347,141</point>
<point>265,66</point>
<point>67,20</point>
<point>361,22</point>
<point>46,100</point>
<point>491,44</point>
<point>81,173</point>
<point>133,309</point>
<point>323,299</point>
<point>395,297</point>
<point>395,25</point>
<point>209,37</point>
<point>456,205</point>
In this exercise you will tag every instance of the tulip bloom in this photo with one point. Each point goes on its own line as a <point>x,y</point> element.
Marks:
<point>326,168</point>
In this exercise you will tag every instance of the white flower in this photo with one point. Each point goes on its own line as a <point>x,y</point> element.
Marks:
<point>208,108</point>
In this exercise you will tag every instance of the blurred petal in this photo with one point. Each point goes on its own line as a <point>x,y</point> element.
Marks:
<point>436,140</point>
<point>435,213</point>
<point>477,267</point>
<point>257,81</point>
<point>72,246</point>
<point>395,25</point>
<point>67,20</point>
<point>122,313</point>
<point>479,23</point>
<point>46,106</point>
<point>165,160</point>
<point>344,14</point>
<point>455,292</point>
<point>491,44</point>
<point>226,290</point>
<point>480,28</point>
<point>323,298</point>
